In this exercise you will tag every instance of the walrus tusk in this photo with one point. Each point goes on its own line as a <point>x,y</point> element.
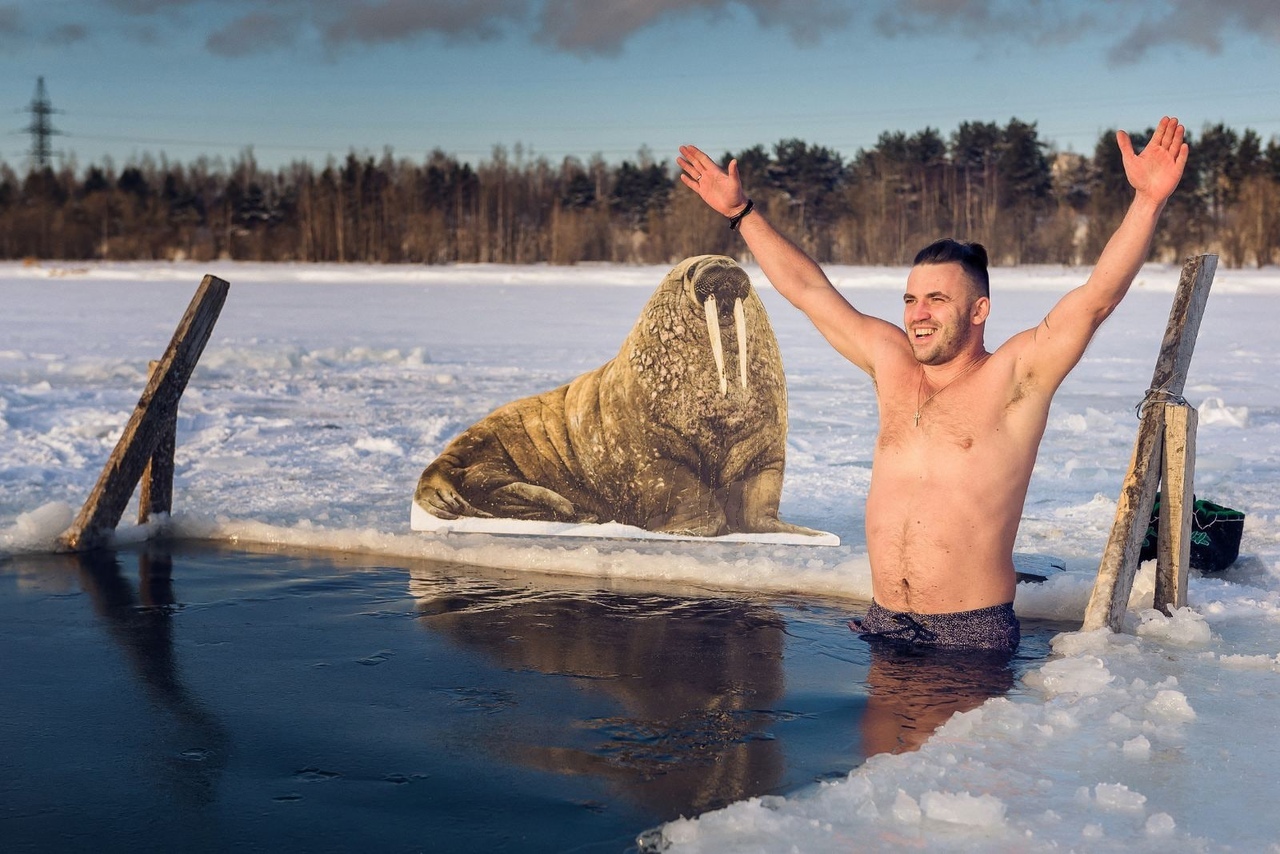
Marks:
<point>740,321</point>
<point>713,332</point>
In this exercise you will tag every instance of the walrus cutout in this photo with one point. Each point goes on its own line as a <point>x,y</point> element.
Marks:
<point>683,432</point>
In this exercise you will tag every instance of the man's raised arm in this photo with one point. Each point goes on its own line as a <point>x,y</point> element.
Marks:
<point>1060,339</point>
<point>794,274</point>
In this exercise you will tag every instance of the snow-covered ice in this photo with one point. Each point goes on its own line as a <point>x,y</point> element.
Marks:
<point>326,389</point>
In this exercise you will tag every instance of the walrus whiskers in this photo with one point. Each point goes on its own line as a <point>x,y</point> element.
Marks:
<point>713,332</point>
<point>740,325</point>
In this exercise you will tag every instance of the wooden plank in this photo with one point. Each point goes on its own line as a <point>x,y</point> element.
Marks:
<point>1119,564</point>
<point>1179,342</point>
<point>155,494</point>
<point>156,489</point>
<point>156,408</point>
<point>1110,595</point>
<point>1173,550</point>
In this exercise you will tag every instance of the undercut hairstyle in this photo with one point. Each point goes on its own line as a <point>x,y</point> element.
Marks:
<point>971,256</point>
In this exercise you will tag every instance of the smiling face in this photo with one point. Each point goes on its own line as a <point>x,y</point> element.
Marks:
<point>942,313</point>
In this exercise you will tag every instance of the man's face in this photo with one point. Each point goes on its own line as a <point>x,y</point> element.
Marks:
<point>941,312</point>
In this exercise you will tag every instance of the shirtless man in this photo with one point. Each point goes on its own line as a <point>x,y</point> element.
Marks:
<point>959,426</point>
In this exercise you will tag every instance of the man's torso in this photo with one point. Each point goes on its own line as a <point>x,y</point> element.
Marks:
<point>947,492</point>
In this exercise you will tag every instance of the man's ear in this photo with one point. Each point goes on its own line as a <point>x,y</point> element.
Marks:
<point>979,311</point>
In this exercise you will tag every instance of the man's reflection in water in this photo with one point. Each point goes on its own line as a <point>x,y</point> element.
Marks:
<point>913,689</point>
<point>693,683</point>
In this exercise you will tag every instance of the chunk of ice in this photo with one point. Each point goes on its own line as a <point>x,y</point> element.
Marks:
<point>963,808</point>
<point>1160,824</point>
<point>1138,747</point>
<point>1171,705</point>
<point>1183,627</point>
<point>905,808</point>
<point>1083,675</point>
<point>1117,797</point>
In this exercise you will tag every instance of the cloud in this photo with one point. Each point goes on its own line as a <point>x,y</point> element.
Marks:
<point>589,27</point>
<point>1198,24</point>
<point>400,20</point>
<point>598,27</point>
<point>1133,28</point>
<point>149,7</point>
<point>10,21</point>
<point>1037,21</point>
<point>1129,29</point>
<point>256,32</point>
<point>603,26</point>
<point>67,34</point>
<point>806,20</point>
<point>343,23</point>
<point>584,26</point>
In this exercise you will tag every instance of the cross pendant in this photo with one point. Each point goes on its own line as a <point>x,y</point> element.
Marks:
<point>917,417</point>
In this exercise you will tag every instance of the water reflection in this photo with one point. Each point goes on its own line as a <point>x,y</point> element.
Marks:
<point>141,624</point>
<point>693,684</point>
<point>911,691</point>
<point>486,710</point>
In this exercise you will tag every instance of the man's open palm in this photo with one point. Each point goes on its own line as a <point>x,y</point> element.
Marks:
<point>1158,169</point>
<point>720,189</point>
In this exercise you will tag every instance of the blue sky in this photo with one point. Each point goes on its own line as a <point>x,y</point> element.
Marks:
<point>306,79</point>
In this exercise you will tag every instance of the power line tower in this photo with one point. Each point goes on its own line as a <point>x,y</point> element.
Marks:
<point>41,129</point>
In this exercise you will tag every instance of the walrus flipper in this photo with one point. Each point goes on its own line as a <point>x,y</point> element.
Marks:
<point>522,500</point>
<point>438,494</point>
<point>752,506</point>
<point>675,501</point>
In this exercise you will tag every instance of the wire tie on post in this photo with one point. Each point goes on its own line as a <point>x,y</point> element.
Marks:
<point>1158,394</point>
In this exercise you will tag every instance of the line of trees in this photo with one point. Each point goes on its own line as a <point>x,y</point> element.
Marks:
<point>999,184</point>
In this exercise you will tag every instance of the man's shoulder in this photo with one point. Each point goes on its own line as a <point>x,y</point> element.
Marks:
<point>1018,344</point>
<point>893,359</point>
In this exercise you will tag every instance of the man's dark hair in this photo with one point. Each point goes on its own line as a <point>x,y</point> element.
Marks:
<point>971,256</point>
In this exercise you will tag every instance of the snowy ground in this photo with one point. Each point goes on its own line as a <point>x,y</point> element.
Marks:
<point>325,391</point>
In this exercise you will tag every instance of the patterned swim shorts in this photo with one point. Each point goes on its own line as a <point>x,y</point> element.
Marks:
<point>985,628</point>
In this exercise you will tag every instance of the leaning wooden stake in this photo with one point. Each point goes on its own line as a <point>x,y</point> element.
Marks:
<point>151,422</point>
<point>155,493</point>
<point>1111,591</point>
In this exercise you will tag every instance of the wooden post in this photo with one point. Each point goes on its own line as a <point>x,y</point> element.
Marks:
<point>1119,564</point>
<point>1173,550</point>
<point>155,494</point>
<point>153,416</point>
<point>1110,595</point>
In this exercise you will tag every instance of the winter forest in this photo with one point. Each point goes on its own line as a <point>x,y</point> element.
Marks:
<point>1001,185</point>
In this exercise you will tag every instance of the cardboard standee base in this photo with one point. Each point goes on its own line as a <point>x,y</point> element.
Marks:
<point>421,520</point>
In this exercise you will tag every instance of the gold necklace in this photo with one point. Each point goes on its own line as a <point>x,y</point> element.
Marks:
<point>920,389</point>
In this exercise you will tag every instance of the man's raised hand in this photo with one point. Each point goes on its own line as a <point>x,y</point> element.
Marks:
<point>1156,171</point>
<point>720,189</point>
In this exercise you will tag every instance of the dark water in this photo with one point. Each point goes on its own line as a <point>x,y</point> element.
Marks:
<point>201,699</point>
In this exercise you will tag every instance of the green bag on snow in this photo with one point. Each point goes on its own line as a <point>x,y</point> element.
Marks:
<point>1215,535</point>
